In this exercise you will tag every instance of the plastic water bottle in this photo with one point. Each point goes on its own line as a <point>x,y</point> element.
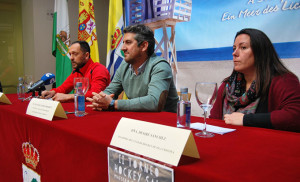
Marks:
<point>184,110</point>
<point>21,89</point>
<point>79,100</point>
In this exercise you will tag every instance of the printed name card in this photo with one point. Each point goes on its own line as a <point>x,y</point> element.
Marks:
<point>159,142</point>
<point>4,99</point>
<point>45,109</point>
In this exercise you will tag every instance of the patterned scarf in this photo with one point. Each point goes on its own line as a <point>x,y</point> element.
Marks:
<point>237,99</point>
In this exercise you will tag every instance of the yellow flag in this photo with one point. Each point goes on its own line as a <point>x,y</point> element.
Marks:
<point>87,27</point>
<point>114,36</point>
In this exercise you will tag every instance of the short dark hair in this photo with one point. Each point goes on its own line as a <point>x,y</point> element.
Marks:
<point>266,60</point>
<point>84,46</point>
<point>143,33</point>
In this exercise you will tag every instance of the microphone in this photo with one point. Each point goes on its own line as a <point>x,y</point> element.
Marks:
<point>46,79</point>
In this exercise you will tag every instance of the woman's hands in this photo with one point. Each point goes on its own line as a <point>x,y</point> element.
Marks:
<point>235,118</point>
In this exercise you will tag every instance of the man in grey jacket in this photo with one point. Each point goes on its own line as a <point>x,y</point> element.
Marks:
<point>145,78</point>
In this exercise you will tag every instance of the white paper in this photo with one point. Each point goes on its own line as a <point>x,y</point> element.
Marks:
<point>211,128</point>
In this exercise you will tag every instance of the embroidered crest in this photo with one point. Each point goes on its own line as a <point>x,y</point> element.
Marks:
<point>31,154</point>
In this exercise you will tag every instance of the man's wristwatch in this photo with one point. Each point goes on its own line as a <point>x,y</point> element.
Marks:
<point>111,106</point>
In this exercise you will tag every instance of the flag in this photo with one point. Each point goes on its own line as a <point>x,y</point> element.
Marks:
<point>61,41</point>
<point>114,36</point>
<point>87,27</point>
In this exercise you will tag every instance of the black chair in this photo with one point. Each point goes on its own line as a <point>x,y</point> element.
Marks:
<point>1,87</point>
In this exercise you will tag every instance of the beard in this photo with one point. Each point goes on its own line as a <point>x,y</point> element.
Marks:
<point>78,65</point>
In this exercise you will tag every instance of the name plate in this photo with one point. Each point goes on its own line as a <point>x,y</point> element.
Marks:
<point>4,99</point>
<point>126,167</point>
<point>45,109</point>
<point>160,142</point>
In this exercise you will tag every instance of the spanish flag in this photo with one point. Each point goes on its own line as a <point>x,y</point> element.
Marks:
<point>114,36</point>
<point>87,27</point>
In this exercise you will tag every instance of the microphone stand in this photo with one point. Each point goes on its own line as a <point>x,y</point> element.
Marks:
<point>39,90</point>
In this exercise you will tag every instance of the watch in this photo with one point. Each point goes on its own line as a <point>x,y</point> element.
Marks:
<point>111,106</point>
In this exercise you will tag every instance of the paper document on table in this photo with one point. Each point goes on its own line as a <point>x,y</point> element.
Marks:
<point>211,128</point>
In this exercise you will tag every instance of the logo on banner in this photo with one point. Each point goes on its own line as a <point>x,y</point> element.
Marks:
<point>86,26</point>
<point>31,154</point>
<point>116,38</point>
<point>63,43</point>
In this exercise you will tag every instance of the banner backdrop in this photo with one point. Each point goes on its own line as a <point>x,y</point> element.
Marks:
<point>210,34</point>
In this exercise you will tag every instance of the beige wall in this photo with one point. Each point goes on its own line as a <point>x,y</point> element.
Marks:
<point>37,33</point>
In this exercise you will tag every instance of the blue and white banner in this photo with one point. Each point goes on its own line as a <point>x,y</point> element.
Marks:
<point>210,34</point>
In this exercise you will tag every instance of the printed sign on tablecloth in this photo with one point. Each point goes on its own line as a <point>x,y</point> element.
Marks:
<point>126,167</point>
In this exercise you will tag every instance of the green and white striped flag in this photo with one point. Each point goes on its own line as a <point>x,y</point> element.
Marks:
<point>61,41</point>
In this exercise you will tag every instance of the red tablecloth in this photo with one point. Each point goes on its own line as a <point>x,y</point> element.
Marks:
<point>75,149</point>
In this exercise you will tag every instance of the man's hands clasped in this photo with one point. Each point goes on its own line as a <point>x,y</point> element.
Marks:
<point>100,101</point>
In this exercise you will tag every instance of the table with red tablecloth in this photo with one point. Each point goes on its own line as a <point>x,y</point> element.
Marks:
<point>75,149</point>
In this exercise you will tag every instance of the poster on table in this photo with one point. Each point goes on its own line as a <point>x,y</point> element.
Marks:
<point>126,167</point>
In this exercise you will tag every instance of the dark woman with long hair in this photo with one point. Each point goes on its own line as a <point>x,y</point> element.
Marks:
<point>261,91</point>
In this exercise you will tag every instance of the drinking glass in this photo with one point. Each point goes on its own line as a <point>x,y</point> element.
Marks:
<point>85,83</point>
<point>28,81</point>
<point>206,93</point>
